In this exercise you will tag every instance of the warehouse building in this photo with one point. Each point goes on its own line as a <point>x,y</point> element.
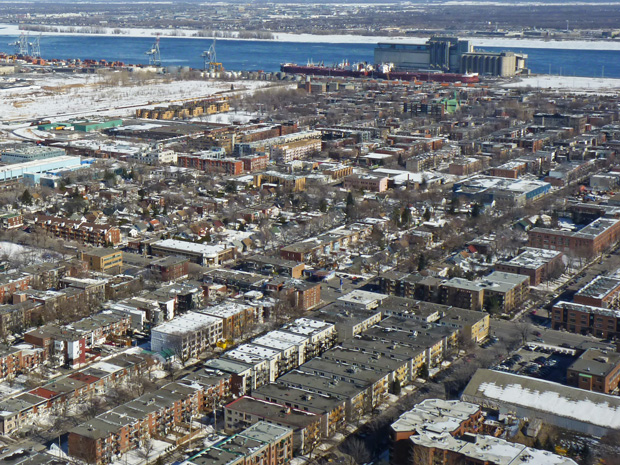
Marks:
<point>566,407</point>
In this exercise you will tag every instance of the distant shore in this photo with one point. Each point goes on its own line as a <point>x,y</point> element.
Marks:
<point>498,42</point>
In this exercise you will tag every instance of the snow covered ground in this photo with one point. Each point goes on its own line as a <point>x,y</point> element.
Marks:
<point>76,95</point>
<point>568,83</point>
<point>15,252</point>
<point>12,29</point>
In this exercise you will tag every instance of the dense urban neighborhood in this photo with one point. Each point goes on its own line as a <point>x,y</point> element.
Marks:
<point>311,266</point>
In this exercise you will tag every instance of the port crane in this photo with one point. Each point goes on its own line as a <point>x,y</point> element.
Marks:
<point>154,54</point>
<point>21,45</point>
<point>35,47</point>
<point>210,60</point>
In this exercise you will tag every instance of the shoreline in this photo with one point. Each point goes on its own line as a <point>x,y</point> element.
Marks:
<point>499,42</point>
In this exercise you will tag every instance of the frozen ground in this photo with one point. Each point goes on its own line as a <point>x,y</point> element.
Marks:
<point>12,29</point>
<point>75,95</point>
<point>21,253</point>
<point>568,83</point>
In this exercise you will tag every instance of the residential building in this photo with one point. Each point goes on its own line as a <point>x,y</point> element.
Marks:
<point>600,292</point>
<point>103,260</point>
<point>586,319</point>
<point>539,264</point>
<point>262,443</point>
<point>170,268</point>
<point>187,336</point>
<point>80,231</point>
<point>595,370</point>
<point>588,242</point>
<point>247,411</point>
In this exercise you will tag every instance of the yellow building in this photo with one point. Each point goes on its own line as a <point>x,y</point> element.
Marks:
<point>104,260</point>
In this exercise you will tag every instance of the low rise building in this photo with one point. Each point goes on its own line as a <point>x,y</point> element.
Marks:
<point>539,264</point>
<point>103,260</point>
<point>81,231</point>
<point>247,411</point>
<point>261,443</point>
<point>187,336</point>
<point>202,254</point>
<point>586,243</point>
<point>595,370</point>
<point>600,292</point>
<point>586,319</point>
<point>566,407</point>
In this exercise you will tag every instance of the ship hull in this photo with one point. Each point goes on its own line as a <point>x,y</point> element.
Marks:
<point>396,75</point>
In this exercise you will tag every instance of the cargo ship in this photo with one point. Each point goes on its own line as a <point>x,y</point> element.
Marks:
<point>383,71</point>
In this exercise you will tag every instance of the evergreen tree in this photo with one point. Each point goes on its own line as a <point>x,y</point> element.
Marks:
<point>405,217</point>
<point>26,198</point>
<point>350,200</point>
<point>421,262</point>
<point>475,210</point>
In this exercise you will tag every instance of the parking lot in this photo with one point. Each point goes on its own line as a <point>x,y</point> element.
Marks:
<point>538,363</point>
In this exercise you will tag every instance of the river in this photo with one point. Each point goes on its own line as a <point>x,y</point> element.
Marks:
<point>251,55</point>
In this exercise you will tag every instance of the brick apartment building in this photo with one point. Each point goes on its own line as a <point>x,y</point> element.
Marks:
<point>225,165</point>
<point>590,241</point>
<point>586,319</point>
<point>252,163</point>
<point>80,231</point>
<point>170,268</point>
<point>601,292</point>
<point>11,221</point>
<point>262,443</point>
<point>538,264</point>
<point>595,370</point>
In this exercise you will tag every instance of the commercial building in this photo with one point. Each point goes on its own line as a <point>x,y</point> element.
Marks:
<point>586,319</point>
<point>566,407</point>
<point>30,153</point>
<point>538,264</point>
<point>103,260</point>
<point>595,370</point>
<point>206,255</point>
<point>88,233</point>
<point>31,171</point>
<point>187,336</point>
<point>262,443</point>
<point>487,189</point>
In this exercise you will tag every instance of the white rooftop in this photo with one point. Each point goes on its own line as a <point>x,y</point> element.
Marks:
<point>190,321</point>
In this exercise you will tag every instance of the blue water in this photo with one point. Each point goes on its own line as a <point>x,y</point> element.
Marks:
<point>266,55</point>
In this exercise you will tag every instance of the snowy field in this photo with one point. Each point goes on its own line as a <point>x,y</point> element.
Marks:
<point>12,29</point>
<point>569,83</point>
<point>76,95</point>
<point>28,255</point>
